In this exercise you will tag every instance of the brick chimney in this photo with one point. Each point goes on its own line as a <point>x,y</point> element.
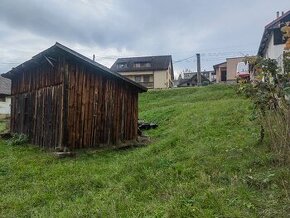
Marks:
<point>277,14</point>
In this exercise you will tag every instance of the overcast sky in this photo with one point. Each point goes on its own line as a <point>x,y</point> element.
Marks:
<point>119,28</point>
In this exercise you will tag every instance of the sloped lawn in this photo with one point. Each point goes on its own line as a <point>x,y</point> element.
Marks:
<point>204,161</point>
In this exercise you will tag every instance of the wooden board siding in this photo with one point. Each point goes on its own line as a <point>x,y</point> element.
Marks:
<point>38,115</point>
<point>36,104</point>
<point>37,77</point>
<point>72,104</point>
<point>102,110</point>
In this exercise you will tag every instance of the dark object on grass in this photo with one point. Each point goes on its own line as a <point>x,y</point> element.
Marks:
<point>64,154</point>
<point>146,126</point>
<point>5,135</point>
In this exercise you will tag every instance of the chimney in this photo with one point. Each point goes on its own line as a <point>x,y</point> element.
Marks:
<point>282,13</point>
<point>277,14</point>
<point>94,57</point>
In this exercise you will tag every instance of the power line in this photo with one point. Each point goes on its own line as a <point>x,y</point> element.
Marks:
<point>185,59</point>
<point>218,55</point>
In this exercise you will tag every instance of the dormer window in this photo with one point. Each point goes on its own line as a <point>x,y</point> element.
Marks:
<point>122,65</point>
<point>142,64</point>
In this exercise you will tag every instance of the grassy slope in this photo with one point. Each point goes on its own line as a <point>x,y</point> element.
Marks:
<point>2,126</point>
<point>204,161</point>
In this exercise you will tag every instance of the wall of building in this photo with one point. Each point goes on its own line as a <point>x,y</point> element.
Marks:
<point>218,70</point>
<point>230,67</point>
<point>273,51</point>
<point>170,76</point>
<point>136,73</point>
<point>5,106</point>
<point>142,74</point>
<point>161,79</point>
<point>232,64</point>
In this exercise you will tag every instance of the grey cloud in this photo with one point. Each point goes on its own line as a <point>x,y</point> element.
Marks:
<point>142,27</point>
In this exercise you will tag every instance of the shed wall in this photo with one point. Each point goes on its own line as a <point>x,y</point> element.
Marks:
<point>73,105</point>
<point>36,104</point>
<point>102,110</point>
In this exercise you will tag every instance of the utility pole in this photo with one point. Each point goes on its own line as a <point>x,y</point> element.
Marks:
<point>198,70</point>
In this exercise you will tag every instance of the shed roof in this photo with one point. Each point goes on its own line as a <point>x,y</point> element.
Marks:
<point>78,56</point>
<point>157,63</point>
<point>267,31</point>
<point>5,86</point>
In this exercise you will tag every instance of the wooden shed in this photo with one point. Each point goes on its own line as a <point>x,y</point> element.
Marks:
<point>61,98</point>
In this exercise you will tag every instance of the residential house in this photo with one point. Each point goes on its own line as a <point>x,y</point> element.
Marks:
<point>192,81</point>
<point>221,72</point>
<point>151,71</point>
<point>209,74</point>
<point>61,98</point>
<point>5,99</point>
<point>272,44</point>
<point>226,72</point>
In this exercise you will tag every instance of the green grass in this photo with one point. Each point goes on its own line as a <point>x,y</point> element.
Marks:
<point>204,161</point>
<point>2,125</point>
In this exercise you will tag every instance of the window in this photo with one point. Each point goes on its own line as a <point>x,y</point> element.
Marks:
<point>142,64</point>
<point>146,78</point>
<point>2,99</point>
<point>146,64</point>
<point>122,65</point>
<point>278,37</point>
<point>138,78</point>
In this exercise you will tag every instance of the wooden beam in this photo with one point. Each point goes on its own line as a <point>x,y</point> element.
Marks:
<point>48,61</point>
<point>65,105</point>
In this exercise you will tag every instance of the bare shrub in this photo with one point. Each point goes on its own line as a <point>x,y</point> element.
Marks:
<point>269,92</point>
<point>277,125</point>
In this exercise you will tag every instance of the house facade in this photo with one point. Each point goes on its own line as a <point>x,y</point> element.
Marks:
<point>208,74</point>
<point>192,81</point>
<point>153,72</point>
<point>61,98</point>
<point>5,99</point>
<point>226,72</point>
<point>273,43</point>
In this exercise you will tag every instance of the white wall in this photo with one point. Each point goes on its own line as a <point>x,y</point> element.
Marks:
<point>5,106</point>
<point>162,79</point>
<point>274,51</point>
